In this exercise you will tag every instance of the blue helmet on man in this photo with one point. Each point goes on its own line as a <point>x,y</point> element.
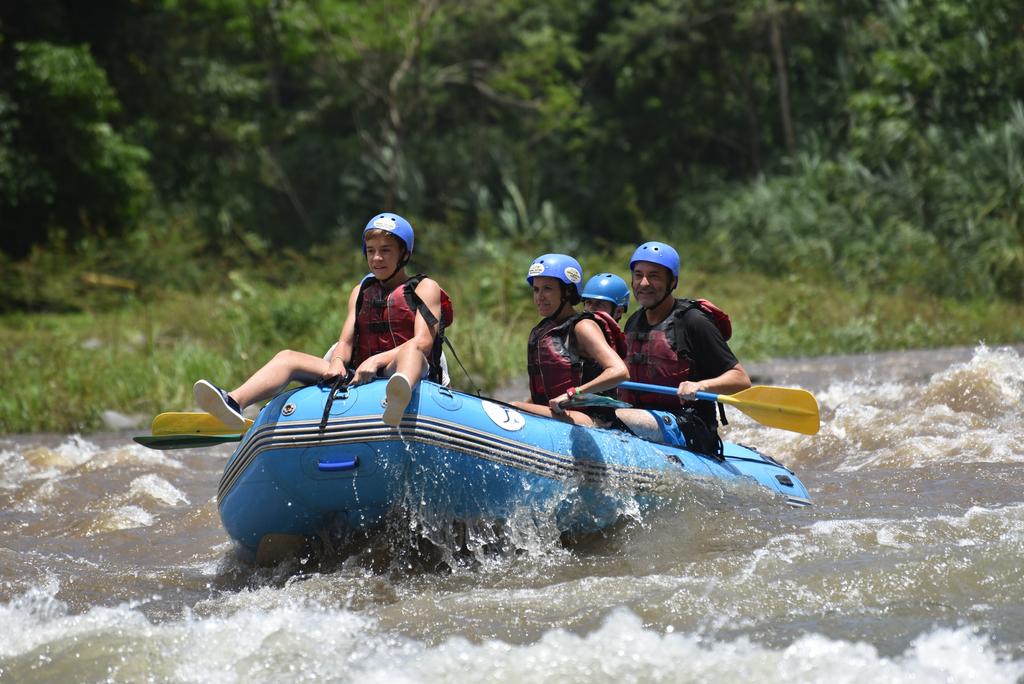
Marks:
<point>657,253</point>
<point>608,287</point>
<point>394,224</point>
<point>560,266</point>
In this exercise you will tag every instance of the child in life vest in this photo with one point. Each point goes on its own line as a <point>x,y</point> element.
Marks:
<point>390,331</point>
<point>606,295</point>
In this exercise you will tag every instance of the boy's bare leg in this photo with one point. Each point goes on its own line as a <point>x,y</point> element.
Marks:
<point>287,366</point>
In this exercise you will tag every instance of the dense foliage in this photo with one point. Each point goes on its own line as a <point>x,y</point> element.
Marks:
<point>880,141</point>
<point>65,370</point>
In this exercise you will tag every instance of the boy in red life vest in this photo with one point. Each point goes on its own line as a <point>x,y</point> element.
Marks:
<point>606,295</point>
<point>568,352</point>
<point>674,342</point>
<point>390,331</point>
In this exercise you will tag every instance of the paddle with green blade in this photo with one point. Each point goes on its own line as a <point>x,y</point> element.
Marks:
<point>786,408</point>
<point>581,401</point>
<point>164,442</point>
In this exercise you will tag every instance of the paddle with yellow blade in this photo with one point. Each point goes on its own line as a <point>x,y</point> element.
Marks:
<point>189,430</point>
<point>192,423</point>
<point>786,408</point>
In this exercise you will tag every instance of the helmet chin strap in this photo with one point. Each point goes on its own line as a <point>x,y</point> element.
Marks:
<point>561,304</point>
<point>668,292</point>
<point>399,267</point>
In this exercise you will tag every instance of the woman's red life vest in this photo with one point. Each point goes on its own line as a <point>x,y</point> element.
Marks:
<point>651,352</point>
<point>553,361</point>
<point>385,320</point>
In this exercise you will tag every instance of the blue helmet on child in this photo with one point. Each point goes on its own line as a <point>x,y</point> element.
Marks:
<point>609,287</point>
<point>394,224</point>
<point>657,253</point>
<point>560,266</point>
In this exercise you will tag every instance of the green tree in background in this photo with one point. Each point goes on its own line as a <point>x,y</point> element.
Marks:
<point>874,140</point>
<point>63,165</point>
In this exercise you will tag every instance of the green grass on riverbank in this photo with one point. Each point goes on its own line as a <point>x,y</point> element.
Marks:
<point>63,370</point>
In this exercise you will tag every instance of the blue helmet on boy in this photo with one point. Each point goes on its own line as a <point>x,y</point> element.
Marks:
<point>394,224</point>
<point>609,287</point>
<point>560,266</point>
<point>657,253</point>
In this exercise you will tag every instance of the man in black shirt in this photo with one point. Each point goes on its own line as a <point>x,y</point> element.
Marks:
<point>675,342</point>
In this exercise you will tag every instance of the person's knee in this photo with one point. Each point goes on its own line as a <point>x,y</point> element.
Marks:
<point>412,362</point>
<point>286,357</point>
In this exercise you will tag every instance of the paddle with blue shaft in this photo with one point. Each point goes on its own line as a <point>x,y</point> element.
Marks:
<point>786,408</point>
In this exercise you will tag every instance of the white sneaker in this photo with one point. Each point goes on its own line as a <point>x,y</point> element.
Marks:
<point>219,404</point>
<point>399,392</point>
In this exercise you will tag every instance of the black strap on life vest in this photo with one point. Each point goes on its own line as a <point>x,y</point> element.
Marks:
<point>365,283</point>
<point>416,304</point>
<point>679,333</point>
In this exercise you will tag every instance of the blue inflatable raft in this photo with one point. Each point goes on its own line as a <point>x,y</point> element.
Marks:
<point>297,476</point>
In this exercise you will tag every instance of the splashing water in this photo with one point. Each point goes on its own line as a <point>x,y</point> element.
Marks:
<point>113,565</point>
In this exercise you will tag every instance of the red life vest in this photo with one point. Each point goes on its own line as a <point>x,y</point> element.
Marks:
<point>612,332</point>
<point>651,352</point>
<point>385,320</point>
<point>553,361</point>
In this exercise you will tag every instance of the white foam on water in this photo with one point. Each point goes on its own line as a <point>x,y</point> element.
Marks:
<point>623,650</point>
<point>37,619</point>
<point>30,475</point>
<point>120,518</point>
<point>968,413</point>
<point>151,457</point>
<point>14,470</point>
<point>157,489</point>
<point>303,642</point>
<point>41,463</point>
<point>42,467</point>
<point>873,568</point>
<point>1001,526</point>
<point>77,450</point>
<point>132,455</point>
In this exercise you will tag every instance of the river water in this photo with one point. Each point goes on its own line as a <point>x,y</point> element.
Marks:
<point>909,566</point>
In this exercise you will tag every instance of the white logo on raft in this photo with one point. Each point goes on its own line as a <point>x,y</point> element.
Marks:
<point>535,269</point>
<point>573,275</point>
<point>384,223</point>
<point>504,417</point>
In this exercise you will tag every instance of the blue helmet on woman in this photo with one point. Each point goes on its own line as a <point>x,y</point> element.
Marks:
<point>394,224</point>
<point>657,253</point>
<point>560,266</point>
<point>609,287</point>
